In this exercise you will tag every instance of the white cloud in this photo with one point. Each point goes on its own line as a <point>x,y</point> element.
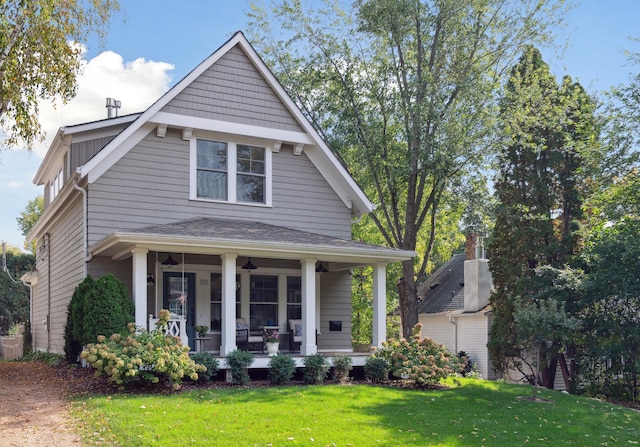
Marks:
<point>136,84</point>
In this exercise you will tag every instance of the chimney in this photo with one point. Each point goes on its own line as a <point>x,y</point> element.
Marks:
<point>477,277</point>
<point>112,106</point>
<point>474,247</point>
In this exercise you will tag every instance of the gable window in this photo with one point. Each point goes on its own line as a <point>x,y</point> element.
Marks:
<point>212,170</point>
<point>251,178</point>
<point>230,172</point>
<point>56,186</point>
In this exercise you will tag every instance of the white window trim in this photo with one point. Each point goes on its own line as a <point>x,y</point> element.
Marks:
<point>232,173</point>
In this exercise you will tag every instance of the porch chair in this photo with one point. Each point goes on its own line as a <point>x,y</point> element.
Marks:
<point>244,339</point>
<point>295,334</point>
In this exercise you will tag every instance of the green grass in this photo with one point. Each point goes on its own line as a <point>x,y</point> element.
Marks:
<point>475,414</point>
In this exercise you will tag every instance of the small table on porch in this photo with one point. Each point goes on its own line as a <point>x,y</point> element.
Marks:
<point>200,343</point>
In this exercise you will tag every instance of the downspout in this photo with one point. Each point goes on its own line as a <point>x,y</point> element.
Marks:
<point>85,236</point>
<point>47,243</point>
<point>455,333</point>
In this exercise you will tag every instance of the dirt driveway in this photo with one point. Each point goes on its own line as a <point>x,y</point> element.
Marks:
<point>33,411</point>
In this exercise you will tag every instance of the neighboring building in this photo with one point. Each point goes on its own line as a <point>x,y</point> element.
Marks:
<point>222,173</point>
<point>454,308</point>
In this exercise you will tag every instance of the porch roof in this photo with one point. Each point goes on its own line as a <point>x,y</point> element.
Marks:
<point>206,235</point>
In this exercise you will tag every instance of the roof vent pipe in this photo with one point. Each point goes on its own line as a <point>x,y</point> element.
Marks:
<point>112,105</point>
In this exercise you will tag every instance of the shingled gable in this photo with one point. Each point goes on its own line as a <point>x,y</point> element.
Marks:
<point>308,141</point>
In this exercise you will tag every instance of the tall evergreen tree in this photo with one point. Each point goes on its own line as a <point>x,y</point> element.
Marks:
<point>548,130</point>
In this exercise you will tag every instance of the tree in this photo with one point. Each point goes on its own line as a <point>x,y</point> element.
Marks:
<point>550,134</point>
<point>610,306</point>
<point>39,57</point>
<point>14,296</point>
<point>403,91</point>
<point>28,218</point>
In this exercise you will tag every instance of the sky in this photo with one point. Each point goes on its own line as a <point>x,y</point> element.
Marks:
<point>152,44</point>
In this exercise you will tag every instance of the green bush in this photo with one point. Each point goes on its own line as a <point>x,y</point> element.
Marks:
<point>422,361</point>
<point>281,368</point>
<point>342,364</point>
<point>316,369</point>
<point>142,357</point>
<point>77,309</point>
<point>210,362</point>
<point>107,309</point>
<point>239,362</point>
<point>376,369</point>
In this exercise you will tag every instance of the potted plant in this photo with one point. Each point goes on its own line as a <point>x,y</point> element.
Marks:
<point>271,337</point>
<point>202,330</point>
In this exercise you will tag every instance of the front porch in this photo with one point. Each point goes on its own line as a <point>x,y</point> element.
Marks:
<point>217,273</point>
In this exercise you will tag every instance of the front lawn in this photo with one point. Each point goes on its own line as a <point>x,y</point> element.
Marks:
<point>476,413</point>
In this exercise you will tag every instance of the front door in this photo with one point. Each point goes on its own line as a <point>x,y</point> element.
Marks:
<point>180,298</point>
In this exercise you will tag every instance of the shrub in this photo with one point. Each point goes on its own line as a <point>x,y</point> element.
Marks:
<point>464,363</point>
<point>47,357</point>
<point>210,362</point>
<point>316,369</point>
<point>281,369</point>
<point>107,309</point>
<point>239,362</point>
<point>77,309</point>
<point>142,356</point>
<point>376,369</point>
<point>422,361</point>
<point>342,364</point>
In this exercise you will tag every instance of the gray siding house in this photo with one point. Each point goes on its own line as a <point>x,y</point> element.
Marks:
<point>220,174</point>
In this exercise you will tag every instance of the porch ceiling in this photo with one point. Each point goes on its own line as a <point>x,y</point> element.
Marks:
<point>244,238</point>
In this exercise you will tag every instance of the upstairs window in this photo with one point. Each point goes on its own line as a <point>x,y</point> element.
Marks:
<point>212,170</point>
<point>251,174</point>
<point>56,186</point>
<point>230,172</point>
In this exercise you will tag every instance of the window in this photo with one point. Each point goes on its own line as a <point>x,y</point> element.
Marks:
<point>216,300</point>
<point>230,172</point>
<point>55,186</point>
<point>212,170</point>
<point>294,298</point>
<point>251,177</point>
<point>263,302</point>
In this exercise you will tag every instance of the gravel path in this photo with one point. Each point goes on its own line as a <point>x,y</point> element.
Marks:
<point>33,411</point>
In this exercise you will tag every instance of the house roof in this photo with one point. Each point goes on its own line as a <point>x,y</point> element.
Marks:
<point>309,140</point>
<point>245,238</point>
<point>443,291</point>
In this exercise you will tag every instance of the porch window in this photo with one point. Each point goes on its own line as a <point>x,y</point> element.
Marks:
<point>294,298</point>
<point>230,172</point>
<point>216,300</point>
<point>263,303</point>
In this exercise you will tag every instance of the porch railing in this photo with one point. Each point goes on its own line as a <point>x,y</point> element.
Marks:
<point>175,326</point>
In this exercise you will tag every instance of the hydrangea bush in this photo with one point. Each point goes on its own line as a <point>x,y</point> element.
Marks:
<point>143,356</point>
<point>420,360</point>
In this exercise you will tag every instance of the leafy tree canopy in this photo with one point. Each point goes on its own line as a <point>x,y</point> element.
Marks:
<point>403,91</point>
<point>28,218</point>
<point>39,57</point>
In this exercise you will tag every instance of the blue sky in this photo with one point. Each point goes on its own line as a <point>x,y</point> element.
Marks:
<point>152,44</point>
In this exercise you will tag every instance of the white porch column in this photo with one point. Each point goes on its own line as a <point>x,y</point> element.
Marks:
<point>379,304</point>
<point>308,345</point>
<point>228,339</point>
<point>140,285</point>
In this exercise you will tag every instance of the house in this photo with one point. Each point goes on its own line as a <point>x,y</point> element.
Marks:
<point>454,308</point>
<point>218,202</point>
